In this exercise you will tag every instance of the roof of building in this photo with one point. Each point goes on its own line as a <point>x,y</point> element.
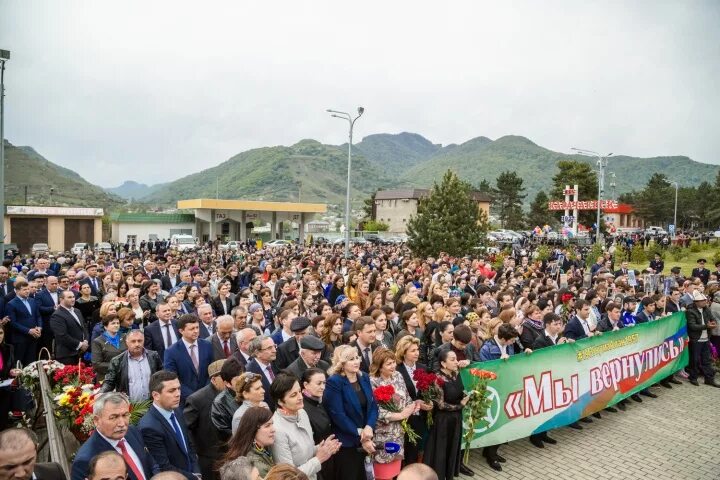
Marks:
<point>151,217</point>
<point>252,205</point>
<point>416,193</point>
<point>621,208</point>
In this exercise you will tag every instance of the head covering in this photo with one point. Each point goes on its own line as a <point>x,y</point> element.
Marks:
<point>214,368</point>
<point>311,342</point>
<point>698,296</point>
<point>340,299</point>
<point>299,324</point>
<point>472,317</point>
<point>254,308</point>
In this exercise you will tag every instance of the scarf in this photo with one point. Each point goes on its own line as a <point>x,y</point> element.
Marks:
<point>538,325</point>
<point>112,340</point>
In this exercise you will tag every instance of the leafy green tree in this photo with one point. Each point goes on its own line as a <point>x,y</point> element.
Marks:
<point>539,213</point>
<point>508,198</point>
<point>448,220</point>
<point>655,203</point>
<point>572,172</point>
<point>375,226</point>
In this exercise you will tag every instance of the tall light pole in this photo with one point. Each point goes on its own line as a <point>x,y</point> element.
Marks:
<point>677,187</point>
<point>351,121</point>
<point>4,56</point>
<point>602,163</point>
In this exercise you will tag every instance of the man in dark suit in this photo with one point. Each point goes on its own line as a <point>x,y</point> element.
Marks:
<point>48,300</point>
<point>289,350</point>
<point>207,322</point>
<point>42,267</point>
<point>365,342</point>
<point>130,371</point>
<point>163,332</point>
<point>203,432</point>
<point>68,326</point>
<point>243,339</point>
<point>611,320</point>
<point>190,357</point>
<point>622,271</point>
<point>163,428</point>
<point>578,328</point>
<point>223,340</point>
<point>311,349</point>
<point>701,272</point>
<point>263,352</point>
<point>107,466</point>
<point>18,454</point>
<point>93,280</point>
<point>172,279</point>
<point>113,432</point>
<point>6,284</point>
<point>25,323</point>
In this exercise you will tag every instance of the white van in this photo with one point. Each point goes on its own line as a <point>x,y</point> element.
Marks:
<point>183,242</point>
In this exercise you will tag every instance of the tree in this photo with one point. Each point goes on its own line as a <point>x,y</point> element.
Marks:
<point>573,172</point>
<point>369,207</point>
<point>375,226</point>
<point>655,203</point>
<point>539,213</point>
<point>508,197</point>
<point>448,220</point>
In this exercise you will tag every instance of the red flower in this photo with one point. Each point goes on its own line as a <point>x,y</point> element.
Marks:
<point>384,394</point>
<point>484,374</point>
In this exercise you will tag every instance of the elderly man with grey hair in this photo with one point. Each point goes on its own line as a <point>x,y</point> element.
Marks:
<point>243,339</point>
<point>242,468</point>
<point>113,432</point>
<point>263,352</point>
<point>207,322</point>
<point>130,371</point>
<point>223,341</point>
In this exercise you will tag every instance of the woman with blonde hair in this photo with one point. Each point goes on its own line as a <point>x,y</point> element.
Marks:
<point>383,371</point>
<point>425,314</point>
<point>353,411</point>
<point>249,393</point>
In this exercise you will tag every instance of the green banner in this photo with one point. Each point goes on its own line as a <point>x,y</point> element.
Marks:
<point>556,386</point>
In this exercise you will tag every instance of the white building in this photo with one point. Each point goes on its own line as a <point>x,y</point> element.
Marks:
<point>136,227</point>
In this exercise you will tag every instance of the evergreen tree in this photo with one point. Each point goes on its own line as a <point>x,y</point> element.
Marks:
<point>448,220</point>
<point>539,214</point>
<point>508,197</point>
<point>656,202</point>
<point>369,207</point>
<point>573,172</point>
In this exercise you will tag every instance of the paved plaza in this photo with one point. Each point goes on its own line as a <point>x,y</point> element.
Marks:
<point>673,437</point>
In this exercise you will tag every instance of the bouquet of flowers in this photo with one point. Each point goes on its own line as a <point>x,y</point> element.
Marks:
<point>475,410</point>
<point>72,375</point>
<point>29,377</point>
<point>387,398</point>
<point>429,387</point>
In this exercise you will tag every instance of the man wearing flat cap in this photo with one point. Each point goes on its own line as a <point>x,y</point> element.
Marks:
<point>311,349</point>
<point>701,272</point>
<point>699,322</point>
<point>289,350</point>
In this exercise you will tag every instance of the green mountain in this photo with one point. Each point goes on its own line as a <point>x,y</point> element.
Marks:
<point>131,190</point>
<point>481,158</point>
<point>403,150</point>
<point>308,171</point>
<point>46,183</point>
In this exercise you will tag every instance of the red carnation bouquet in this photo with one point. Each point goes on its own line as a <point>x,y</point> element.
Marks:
<point>386,397</point>
<point>429,387</point>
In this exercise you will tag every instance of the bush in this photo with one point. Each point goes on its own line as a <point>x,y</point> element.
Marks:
<point>374,226</point>
<point>695,247</point>
<point>677,253</point>
<point>595,252</point>
<point>716,257</point>
<point>655,248</point>
<point>638,254</point>
<point>543,252</point>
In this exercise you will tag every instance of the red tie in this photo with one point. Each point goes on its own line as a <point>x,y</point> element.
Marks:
<point>129,460</point>
<point>270,372</point>
<point>226,348</point>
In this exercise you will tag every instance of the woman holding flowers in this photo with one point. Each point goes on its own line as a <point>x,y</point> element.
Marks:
<point>396,406</point>
<point>442,450</point>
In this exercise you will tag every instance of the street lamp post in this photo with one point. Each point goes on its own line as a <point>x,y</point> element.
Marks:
<point>677,186</point>
<point>351,121</point>
<point>602,164</point>
<point>4,56</point>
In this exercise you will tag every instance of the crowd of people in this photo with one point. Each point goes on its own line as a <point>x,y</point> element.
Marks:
<point>264,363</point>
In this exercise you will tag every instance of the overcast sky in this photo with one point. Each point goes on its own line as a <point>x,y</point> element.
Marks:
<point>152,91</point>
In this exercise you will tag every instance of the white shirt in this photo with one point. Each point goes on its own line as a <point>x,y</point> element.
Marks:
<point>553,338</point>
<point>585,325</point>
<point>264,368</point>
<point>503,348</point>
<point>163,331</point>
<point>54,296</point>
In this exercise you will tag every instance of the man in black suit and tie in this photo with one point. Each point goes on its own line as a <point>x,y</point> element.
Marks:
<point>48,300</point>
<point>172,279</point>
<point>289,350</point>
<point>223,340</point>
<point>207,322</point>
<point>25,323</point>
<point>623,270</point>
<point>263,352</point>
<point>162,333</point>
<point>243,339</point>
<point>18,454</point>
<point>366,341</point>
<point>578,327</point>
<point>113,432</point>
<point>311,349</point>
<point>68,326</point>
<point>163,428</point>
<point>93,280</point>
<point>6,284</point>
<point>203,432</point>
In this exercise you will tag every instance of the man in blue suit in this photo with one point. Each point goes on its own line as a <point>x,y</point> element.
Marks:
<point>163,332</point>
<point>111,415</point>
<point>189,357</point>
<point>48,300</point>
<point>164,430</point>
<point>578,327</point>
<point>263,352</point>
<point>25,323</point>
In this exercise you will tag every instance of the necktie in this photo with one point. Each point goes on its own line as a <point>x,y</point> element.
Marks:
<point>129,460</point>
<point>178,432</point>
<point>2,289</point>
<point>270,372</point>
<point>226,348</point>
<point>193,356</point>
<point>366,354</point>
<point>168,338</point>
<point>27,305</point>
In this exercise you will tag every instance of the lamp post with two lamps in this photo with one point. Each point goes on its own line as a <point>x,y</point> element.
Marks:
<point>351,121</point>
<point>602,164</point>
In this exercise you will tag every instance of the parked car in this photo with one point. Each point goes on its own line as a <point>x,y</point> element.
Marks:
<point>103,247</point>
<point>39,248</point>
<point>232,245</point>
<point>278,243</point>
<point>655,231</point>
<point>78,248</point>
